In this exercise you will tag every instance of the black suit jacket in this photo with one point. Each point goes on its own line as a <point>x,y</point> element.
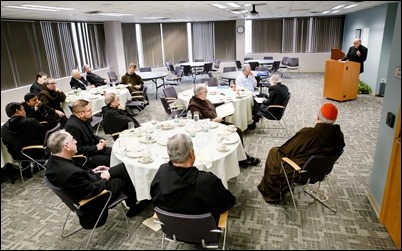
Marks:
<point>352,56</point>
<point>83,133</point>
<point>75,84</point>
<point>116,120</point>
<point>95,80</point>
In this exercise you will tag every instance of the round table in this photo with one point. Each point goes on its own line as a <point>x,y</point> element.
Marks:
<point>129,146</point>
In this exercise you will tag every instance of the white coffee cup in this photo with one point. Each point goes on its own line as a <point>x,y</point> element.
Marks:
<point>146,156</point>
<point>222,147</point>
<point>232,128</point>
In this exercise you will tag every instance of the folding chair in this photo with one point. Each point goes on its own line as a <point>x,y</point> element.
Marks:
<point>316,169</point>
<point>92,212</point>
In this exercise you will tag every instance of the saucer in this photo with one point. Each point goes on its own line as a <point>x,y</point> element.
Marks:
<point>148,141</point>
<point>134,154</point>
<point>193,129</point>
<point>223,150</point>
<point>167,126</point>
<point>231,130</point>
<point>214,125</point>
<point>230,140</point>
<point>146,162</point>
<point>162,142</point>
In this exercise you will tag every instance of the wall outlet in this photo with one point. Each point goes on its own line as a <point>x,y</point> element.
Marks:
<point>383,80</point>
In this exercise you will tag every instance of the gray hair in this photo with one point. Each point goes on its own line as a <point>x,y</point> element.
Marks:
<point>75,72</point>
<point>109,98</point>
<point>57,140</point>
<point>84,68</point>
<point>245,67</point>
<point>275,78</point>
<point>179,147</point>
<point>198,88</point>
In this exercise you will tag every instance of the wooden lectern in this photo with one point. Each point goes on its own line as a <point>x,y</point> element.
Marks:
<point>341,78</point>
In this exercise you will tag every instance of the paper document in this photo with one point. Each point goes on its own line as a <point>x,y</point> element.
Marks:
<point>224,110</point>
<point>259,100</point>
<point>151,224</point>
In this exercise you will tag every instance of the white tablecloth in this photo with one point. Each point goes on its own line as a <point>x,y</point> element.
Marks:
<point>243,104</point>
<point>95,97</point>
<point>223,164</point>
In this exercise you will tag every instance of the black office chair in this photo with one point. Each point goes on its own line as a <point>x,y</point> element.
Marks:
<point>192,228</point>
<point>269,58</point>
<point>113,77</point>
<point>145,69</point>
<point>316,169</point>
<point>238,64</point>
<point>253,65</point>
<point>210,81</point>
<point>170,109</point>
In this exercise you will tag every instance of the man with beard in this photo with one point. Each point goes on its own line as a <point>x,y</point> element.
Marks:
<point>89,144</point>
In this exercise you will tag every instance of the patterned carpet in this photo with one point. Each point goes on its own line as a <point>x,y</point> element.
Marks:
<point>32,215</point>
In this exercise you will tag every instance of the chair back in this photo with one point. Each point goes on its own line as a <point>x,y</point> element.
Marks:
<point>277,111</point>
<point>199,60</point>
<point>112,76</point>
<point>207,67</point>
<point>49,132</point>
<point>170,92</point>
<point>217,63</point>
<point>284,61</point>
<point>188,228</point>
<point>275,66</point>
<point>228,69</point>
<point>293,62</point>
<point>317,167</point>
<point>238,64</point>
<point>210,81</point>
<point>247,59</point>
<point>187,71</point>
<point>145,69</point>
<point>253,65</point>
<point>269,57</point>
<point>89,213</point>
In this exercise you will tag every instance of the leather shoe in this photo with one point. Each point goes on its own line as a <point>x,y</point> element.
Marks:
<point>252,126</point>
<point>252,161</point>
<point>133,211</point>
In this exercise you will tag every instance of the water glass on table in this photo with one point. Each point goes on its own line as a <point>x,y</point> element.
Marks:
<point>196,116</point>
<point>131,126</point>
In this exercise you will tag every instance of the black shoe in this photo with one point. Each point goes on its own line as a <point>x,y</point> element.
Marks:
<point>252,126</point>
<point>243,164</point>
<point>252,161</point>
<point>133,211</point>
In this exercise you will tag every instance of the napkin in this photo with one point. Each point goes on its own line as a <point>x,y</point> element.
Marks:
<point>204,156</point>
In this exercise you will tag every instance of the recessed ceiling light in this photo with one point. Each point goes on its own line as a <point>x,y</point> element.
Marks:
<point>235,5</point>
<point>338,7</point>
<point>350,6</point>
<point>37,7</point>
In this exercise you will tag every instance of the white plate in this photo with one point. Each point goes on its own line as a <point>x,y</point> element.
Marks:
<point>134,154</point>
<point>147,141</point>
<point>214,125</point>
<point>147,162</point>
<point>230,140</point>
<point>167,126</point>
<point>231,130</point>
<point>193,129</point>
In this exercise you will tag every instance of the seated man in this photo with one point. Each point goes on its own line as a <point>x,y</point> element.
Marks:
<point>134,81</point>
<point>324,138</point>
<point>93,78</point>
<point>52,97</point>
<point>82,183</point>
<point>77,81</point>
<point>207,110</point>
<point>277,94</point>
<point>116,116</point>
<point>246,80</point>
<point>179,187</point>
<point>89,144</point>
<point>20,131</point>
<point>36,87</point>
<point>35,109</point>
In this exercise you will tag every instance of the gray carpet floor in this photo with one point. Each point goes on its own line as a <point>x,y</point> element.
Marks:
<point>32,215</point>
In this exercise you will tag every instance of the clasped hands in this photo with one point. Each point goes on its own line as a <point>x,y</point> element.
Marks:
<point>103,171</point>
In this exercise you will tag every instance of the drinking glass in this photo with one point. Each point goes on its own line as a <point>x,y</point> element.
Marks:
<point>196,116</point>
<point>130,126</point>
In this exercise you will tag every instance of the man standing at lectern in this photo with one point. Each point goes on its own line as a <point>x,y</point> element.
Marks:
<point>357,53</point>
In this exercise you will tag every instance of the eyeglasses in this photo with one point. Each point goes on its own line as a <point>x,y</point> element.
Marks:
<point>51,83</point>
<point>71,141</point>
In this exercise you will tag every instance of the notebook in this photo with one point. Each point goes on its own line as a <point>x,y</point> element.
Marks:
<point>225,110</point>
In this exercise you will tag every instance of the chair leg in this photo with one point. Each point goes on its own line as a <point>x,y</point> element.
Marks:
<point>315,194</point>
<point>64,225</point>
<point>125,216</point>
<point>291,194</point>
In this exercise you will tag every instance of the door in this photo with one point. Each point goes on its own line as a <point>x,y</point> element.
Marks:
<point>390,214</point>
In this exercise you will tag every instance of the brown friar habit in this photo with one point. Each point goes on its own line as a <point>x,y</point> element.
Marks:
<point>322,139</point>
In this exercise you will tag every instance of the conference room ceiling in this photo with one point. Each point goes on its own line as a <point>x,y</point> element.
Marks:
<point>174,11</point>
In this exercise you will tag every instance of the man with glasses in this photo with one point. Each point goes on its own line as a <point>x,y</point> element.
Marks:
<point>89,144</point>
<point>82,184</point>
<point>357,53</point>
